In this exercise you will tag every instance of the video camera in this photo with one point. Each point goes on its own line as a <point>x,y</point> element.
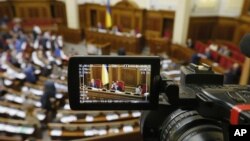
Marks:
<point>201,108</point>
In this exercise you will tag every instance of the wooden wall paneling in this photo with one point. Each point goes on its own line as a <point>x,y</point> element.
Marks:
<point>130,76</point>
<point>102,16</point>
<point>143,77</point>
<point>114,74</point>
<point>225,28</point>
<point>201,28</point>
<point>87,10</point>
<point>6,9</point>
<point>114,18</point>
<point>82,15</point>
<point>41,8</point>
<point>246,7</point>
<point>71,35</point>
<point>93,18</point>
<point>241,30</point>
<point>96,72</point>
<point>138,21</point>
<point>124,14</point>
<point>94,13</point>
<point>168,20</point>
<point>126,21</point>
<point>122,19</point>
<point>60,12</point>
<point>153,24</point>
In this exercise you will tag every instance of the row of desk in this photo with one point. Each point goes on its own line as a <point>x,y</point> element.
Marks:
<point>100,94</point>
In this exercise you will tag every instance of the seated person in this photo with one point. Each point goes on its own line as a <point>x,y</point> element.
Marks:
<point>195,59</point>
<point>30,75</point>
<point>224,51</point>
<point>92,83</point>
<point>115,86</point>
<point>138,90</point>
<point>208,53</point>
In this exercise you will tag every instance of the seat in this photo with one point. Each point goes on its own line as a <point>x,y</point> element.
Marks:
<point>121,85</point>
<point>223,62</point>
<point>98,83</point>
<point>214,55</point>
<point>200,47</point>
<point>226,62</point>
<point>238,56</point>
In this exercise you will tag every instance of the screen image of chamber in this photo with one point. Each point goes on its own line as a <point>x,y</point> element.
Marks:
<point>114,83</point>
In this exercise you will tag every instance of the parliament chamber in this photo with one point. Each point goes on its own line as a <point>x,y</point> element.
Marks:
<point>37,38</point>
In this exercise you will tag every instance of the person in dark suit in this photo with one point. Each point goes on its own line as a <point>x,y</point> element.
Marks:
<point>195,59</point>
<point>30,75</point>
<point>233,74</point>
<point>115,86</point>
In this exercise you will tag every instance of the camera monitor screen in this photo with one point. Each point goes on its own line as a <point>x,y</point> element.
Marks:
<point>113,83</point>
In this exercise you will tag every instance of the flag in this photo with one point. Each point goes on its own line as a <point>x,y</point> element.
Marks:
<point>108,19</point>
<point>105,75</point>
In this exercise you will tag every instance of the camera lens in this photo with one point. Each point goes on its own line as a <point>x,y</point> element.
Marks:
<point>182,125</point>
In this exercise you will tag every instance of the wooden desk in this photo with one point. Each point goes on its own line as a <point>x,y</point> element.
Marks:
<point>26,127</point>
<point>159,45</point>
<point>112,95</point>
<point>106,47</point>
<point>131,136</point>
<point>97,116</point>
<point>121,136</point>
<point>11,138</point>
<point>132,45</point>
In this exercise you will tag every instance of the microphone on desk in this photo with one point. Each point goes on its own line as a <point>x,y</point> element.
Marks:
<point>245,45</point>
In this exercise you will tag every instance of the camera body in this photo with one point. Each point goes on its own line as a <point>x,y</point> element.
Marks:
<point>200,108</point>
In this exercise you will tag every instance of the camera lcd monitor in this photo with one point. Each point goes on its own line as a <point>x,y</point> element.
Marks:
<point>113,82</point>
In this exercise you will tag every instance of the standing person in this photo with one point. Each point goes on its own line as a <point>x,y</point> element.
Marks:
<point>48,100</point>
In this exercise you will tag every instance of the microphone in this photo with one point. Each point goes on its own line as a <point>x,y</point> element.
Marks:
<point>245,45</point>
